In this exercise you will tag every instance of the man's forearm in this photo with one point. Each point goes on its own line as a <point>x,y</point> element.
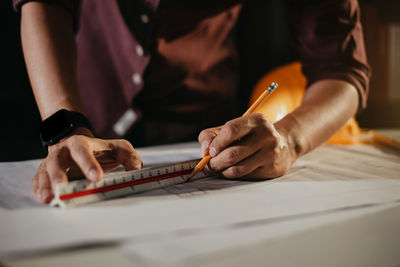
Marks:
<point>50,55</point>
<point>326,106</point>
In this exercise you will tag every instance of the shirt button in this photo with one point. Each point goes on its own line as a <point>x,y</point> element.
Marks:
<point>144,18</point>
<point>136,79</point>
<point>139,50</point>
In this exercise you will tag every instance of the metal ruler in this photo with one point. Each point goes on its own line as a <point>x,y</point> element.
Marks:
<point>118,184</point>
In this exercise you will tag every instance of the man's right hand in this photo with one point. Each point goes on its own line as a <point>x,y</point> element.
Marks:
<point>82,155</point>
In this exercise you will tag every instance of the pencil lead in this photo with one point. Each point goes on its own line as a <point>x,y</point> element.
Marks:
<point>193,173</point>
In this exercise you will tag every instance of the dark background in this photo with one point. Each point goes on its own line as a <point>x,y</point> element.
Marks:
<point>19,114</point>
<point>19,134</point>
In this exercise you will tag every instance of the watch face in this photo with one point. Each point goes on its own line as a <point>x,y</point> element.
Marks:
<point>54,126</point>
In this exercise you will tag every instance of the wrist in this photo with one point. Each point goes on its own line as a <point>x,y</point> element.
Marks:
<point>81,131</point>
<point>289,129</point>
<point>62,124</point>
<point>78,131</point>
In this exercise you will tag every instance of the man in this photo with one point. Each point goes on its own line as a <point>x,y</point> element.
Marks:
<point>174,62</point>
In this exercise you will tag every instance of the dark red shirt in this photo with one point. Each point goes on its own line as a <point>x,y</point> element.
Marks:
<point>176,63</point>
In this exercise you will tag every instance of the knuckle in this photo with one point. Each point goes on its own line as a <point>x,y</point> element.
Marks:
<point>72,140</point>
<point>230,129</point>
<point>130,147</point>
<point>274,146</point>
<point>133,154</point>
<point>109,145</point>
<point>203,134</point>
<point>77,141</point>
<point>51,158</point>
<point>213,166</point>
<point>233,172</point>
<point>125,144</point>
<point>232,156</point>
<point>264,128</point>
<point>260,118</point>
<point>276,151</point>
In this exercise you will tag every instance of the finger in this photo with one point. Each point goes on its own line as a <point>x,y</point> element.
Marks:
<point>46,194</point>
<point>273,166</point>
<point>245,167</point>
<point>237,152</point>
<point>36,188</point>
<point>232,131</point>
<point>205,138</point>
<point>56,169</point>
<point>207,169</point>
<point>36,183</point>
<point>124,153</point>
<point>267,164</point>
<point>262,173</point>
<point>83,156</point>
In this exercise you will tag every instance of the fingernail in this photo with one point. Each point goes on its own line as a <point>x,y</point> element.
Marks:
<point>44,194</point>
<point>93,175</point>
<point>213,152</point>
<point>204,146</point>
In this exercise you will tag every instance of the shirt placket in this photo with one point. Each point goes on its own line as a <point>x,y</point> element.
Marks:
<point>143,23</point>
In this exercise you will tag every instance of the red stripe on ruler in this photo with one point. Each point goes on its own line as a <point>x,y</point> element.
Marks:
<point>123,185</point>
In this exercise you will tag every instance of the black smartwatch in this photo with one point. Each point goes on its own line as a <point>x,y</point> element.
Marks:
<point>60,125</point>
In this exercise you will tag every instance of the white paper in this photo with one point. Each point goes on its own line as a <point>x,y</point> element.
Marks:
<point>16,187</point>
<point>196,247</point>
<point>327,180</point>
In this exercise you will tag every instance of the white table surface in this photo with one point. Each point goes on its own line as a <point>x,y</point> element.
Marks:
<point>337,206</point>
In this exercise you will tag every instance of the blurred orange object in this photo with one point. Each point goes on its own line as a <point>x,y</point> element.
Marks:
<point>292,85</point>
<point>287,97</point>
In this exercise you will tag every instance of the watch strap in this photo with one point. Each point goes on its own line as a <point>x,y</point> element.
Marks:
<point>60,125</point>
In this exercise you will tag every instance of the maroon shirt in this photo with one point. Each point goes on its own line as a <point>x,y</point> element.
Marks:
<point>175,62</point>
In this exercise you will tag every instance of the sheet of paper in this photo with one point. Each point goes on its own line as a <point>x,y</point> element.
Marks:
<point>202,246</point>
<point>325,239</point>
<point>32,229</point>
<point>16,188</point>
<point>325,180</point>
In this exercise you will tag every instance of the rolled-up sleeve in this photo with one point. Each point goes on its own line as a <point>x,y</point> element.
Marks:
<point>328,37</point>
<point>72,6</point>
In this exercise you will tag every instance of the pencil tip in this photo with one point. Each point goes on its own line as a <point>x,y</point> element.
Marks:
<point>193,173</point>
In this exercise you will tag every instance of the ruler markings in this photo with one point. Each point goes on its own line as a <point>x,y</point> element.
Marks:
<point>120,184</point>
<point>106,188</point>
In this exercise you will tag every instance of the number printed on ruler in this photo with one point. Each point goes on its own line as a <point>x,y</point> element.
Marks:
<point>117,184</point>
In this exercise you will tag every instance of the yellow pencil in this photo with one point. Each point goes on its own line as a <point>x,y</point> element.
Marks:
<point>203,162</point>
